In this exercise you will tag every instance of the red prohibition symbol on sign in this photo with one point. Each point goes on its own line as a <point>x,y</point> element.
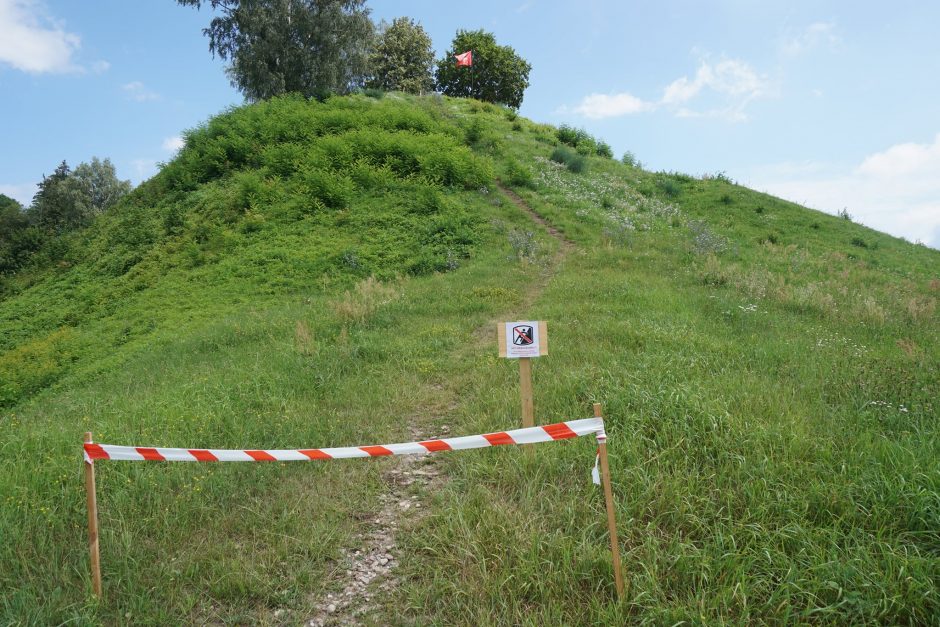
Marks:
<point>523,335</point>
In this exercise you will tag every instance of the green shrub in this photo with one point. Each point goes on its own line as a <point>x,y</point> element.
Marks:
<point>252,223</point>
<point>571,136</point>
<point>332,190</point>
<point>586,149</point>
<point>577,165</point>
<point>573,161</point>
<point>491,142</point>
<point>561,155</point>
<point>474,131</point>
<point>582,141</point>
<point>173,220</point>
<point>629,159</point>
<point>669,187</point>
<point>284,159</point>
<point>519,174</point>
<point>428,200</point>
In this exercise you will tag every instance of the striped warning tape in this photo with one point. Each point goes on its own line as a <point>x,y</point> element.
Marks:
<point>529,435</point>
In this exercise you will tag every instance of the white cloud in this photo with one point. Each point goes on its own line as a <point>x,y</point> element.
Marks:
<point>100,67</point>
<point>681,90</point>
<point>814,35</point>
<point>904,159</point>
<point>896,190</point>
<point>136,90</point>
<point>729,85</point>
<point>31,41</point>
<point>599,106</point>
<point>733,81</point>
<point>173,144</point>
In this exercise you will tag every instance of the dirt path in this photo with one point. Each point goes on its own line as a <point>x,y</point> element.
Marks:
<point>370,569</point>
<point>566,244</point>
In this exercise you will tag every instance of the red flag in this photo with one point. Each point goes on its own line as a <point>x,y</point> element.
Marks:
<point>465,59</point>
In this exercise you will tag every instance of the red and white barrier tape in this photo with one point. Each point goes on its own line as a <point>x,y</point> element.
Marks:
<point>530,435</point>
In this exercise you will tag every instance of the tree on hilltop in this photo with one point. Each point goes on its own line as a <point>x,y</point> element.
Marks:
<point>68,200</point>
<point>53,207</point>
<point>312,47</point>
<point>497,75</point>
<point>98,187</point>
<point>403,58</point>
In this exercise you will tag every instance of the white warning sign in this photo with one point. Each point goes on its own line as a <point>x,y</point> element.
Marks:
<point>523,339</point>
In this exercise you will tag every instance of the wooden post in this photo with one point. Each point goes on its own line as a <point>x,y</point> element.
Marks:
<point>611,514</point>
<point>525,391</point>
<point>525,364</point>
<point>92,524</point>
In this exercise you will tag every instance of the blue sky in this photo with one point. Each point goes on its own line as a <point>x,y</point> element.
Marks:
<point>832,104</point>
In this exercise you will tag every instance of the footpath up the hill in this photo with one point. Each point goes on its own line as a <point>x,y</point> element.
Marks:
<point>368,576</point>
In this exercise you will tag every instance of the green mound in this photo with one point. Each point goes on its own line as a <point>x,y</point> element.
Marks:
<point>329,274</point>
<point>282,196</point>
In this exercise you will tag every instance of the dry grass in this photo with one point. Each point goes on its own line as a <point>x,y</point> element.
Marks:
<point>303,339</point>
<point>713,273</point>
<point>362,301</point>
<point>921,310</point>
<point>909,347</point>
<point>871,311</point>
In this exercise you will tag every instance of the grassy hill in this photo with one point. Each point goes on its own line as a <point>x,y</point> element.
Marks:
<point>311,274</point>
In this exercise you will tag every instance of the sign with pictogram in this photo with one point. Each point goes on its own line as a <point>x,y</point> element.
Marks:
<point>522,339</point>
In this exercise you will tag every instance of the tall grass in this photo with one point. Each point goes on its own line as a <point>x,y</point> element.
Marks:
<point>773,438</point>
<point>771,407</point>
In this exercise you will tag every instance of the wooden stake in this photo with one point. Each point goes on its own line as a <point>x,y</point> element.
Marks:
<point>92,524</point>
<point>525,391</point>
<point>611,515</point>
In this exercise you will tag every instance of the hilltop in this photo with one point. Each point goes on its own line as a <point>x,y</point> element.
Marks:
<point>307,274</point>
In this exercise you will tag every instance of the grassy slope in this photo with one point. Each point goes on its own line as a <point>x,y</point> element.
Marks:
<point>753,361</point>
<point>774,407</point>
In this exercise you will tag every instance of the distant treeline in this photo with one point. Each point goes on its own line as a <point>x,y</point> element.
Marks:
<point>66,201</point>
